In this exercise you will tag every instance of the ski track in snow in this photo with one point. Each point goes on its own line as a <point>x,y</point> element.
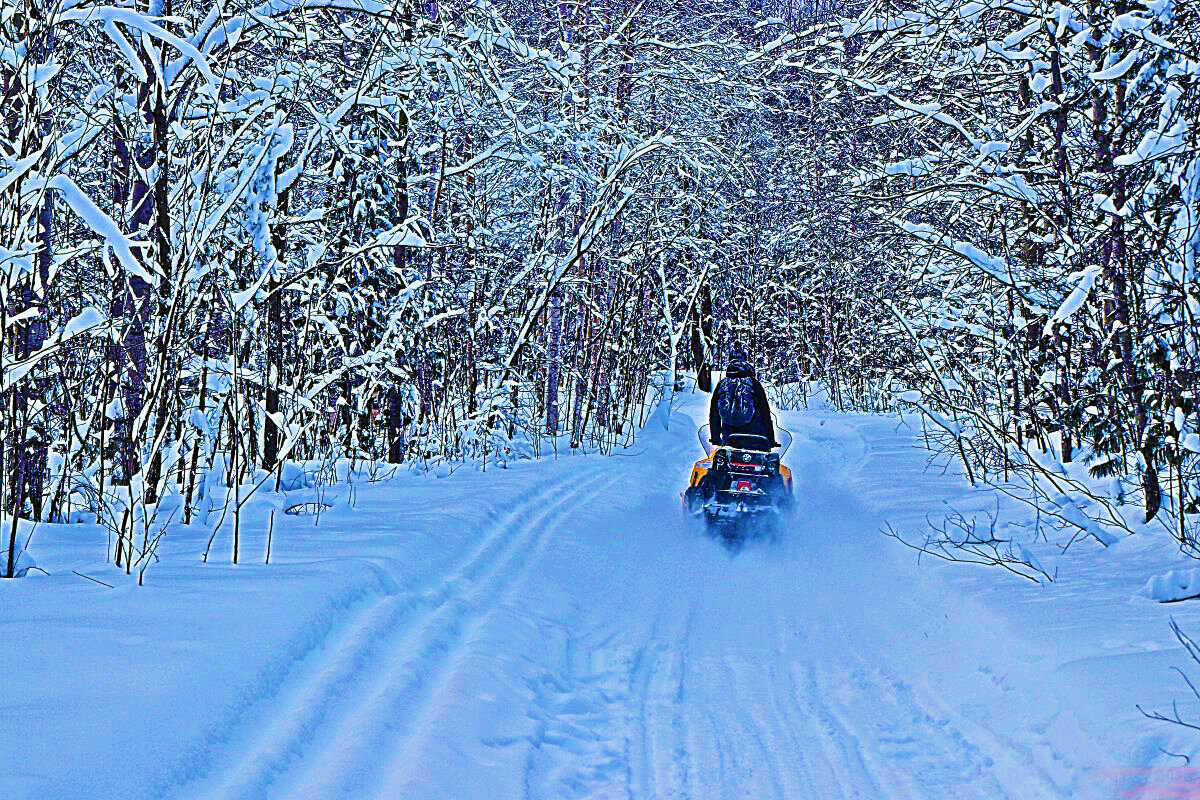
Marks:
<point>584,642</point>
<point>375,673</point>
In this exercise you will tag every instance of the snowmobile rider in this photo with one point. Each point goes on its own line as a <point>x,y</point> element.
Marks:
<point>739,403</point>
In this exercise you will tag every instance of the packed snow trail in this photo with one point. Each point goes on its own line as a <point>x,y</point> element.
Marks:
<point>593,645</point>
<point>579,639</point>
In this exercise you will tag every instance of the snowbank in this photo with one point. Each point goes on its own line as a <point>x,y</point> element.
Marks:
<point>1176,585</point>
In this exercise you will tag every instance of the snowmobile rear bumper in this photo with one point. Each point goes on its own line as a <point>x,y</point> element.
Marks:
<point>735,503</point>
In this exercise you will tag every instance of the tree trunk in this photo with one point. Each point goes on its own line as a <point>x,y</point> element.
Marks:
<point>553,364</point>
<point>274,378</point>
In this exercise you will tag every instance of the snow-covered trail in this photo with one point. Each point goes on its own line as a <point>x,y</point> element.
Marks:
<point>556,630</point>
<point>590,644</point>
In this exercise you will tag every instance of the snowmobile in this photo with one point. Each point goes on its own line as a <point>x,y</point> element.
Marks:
<point>741,487</point>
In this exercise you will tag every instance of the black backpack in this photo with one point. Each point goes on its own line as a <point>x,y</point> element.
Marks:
<point>735,401</point>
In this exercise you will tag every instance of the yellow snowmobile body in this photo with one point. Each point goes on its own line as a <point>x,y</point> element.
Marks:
<point>702,467</point>
<point>736,483</point>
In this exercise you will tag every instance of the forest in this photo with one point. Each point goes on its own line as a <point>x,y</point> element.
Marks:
<point>237,236</point>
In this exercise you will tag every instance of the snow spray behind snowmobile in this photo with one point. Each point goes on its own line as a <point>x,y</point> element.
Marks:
<point>739,488</point>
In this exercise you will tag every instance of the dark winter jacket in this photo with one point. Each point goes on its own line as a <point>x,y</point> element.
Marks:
<point>759,425</point>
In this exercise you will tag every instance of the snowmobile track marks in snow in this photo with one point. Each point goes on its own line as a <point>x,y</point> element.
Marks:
<point>575,749</point>
<point>374,740</point>
<point>331,676</point>
<point>670,756</point>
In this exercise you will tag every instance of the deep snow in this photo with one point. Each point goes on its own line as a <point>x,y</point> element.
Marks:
<point>555,630</point>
